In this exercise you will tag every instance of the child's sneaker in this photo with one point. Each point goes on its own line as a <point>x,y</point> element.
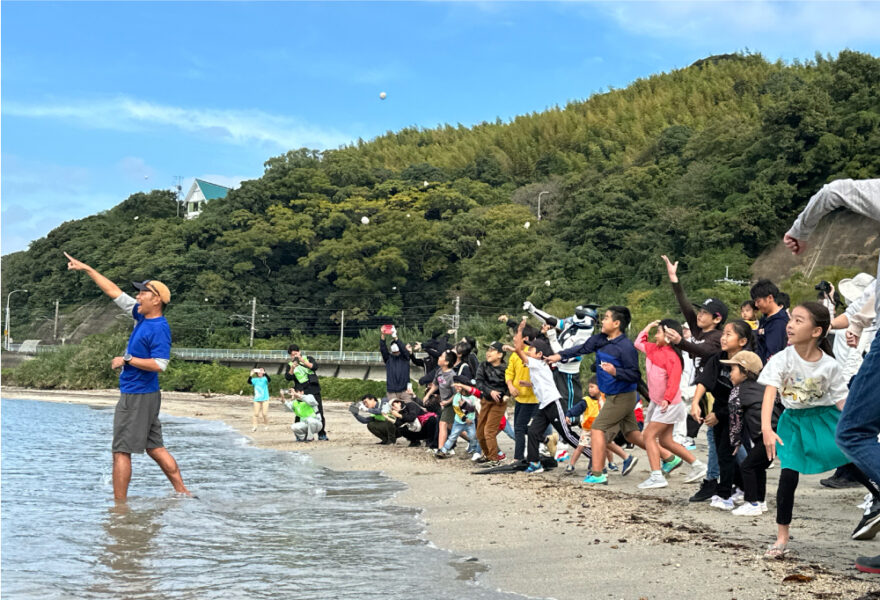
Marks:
<point>612,466</point>
<point>569,470</point>
<point>602,479</point>
<point>656,480</point>
<point>535,467</point>
<point>451,452</point>
<point>722,503</point>
<point>502,456</point>
<point>477,456</point>
<point>763,506</point>
<point>628,464</point>
<point>669,467</point>
<point>738,496</point>
<point>697,472</point>
<point>748,509</point>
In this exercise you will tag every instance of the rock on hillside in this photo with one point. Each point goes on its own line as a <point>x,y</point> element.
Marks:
<point>842,238</point>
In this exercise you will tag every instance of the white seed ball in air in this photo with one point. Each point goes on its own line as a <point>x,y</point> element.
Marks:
<point>527,224</point>
<point>365,220</point>
<point>478,243</point>
<point>547,283</point>
<point>383,95</point>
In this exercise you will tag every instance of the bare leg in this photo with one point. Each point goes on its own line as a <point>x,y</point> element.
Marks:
<point>169,466</point>
<point>668,442</point>
<point>121,475</point>
<point>576,454</point>
<point>598,444</point>
<point>617,450</point>
<point>255,416</point>
<point>652,446</point>
<point>264,406</point>
<point>443,433</point>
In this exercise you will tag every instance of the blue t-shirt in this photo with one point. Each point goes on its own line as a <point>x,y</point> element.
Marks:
<point>151,338</point>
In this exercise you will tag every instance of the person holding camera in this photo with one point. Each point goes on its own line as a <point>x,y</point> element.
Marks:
<point>301,371</point>
<point>260,381</point>
<point>396,358</point>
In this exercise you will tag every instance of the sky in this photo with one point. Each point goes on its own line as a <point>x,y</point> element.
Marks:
<point>102,100</point>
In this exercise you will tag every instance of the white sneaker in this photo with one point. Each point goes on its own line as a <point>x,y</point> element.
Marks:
<point>477,456</point>
<point>722,503</point>
<point>451,452</point>
<point>866,505</point>
<point>653,482</point>
<point>697,472</point>
<point>763,506</point>
<point>738,496</point>
<point>748,510</point>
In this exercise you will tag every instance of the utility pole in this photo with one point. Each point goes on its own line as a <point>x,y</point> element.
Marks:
<point>341,329</point>
<point>457,317</point>
<point>55,329</point>
<point>253,318</point>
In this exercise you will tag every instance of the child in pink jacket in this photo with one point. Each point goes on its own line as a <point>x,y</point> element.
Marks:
<point>664,365</point>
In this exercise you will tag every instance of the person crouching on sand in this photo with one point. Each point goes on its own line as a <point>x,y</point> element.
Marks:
<point>305,406</point>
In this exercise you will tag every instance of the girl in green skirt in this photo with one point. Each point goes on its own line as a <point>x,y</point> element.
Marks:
<point>813,390</point>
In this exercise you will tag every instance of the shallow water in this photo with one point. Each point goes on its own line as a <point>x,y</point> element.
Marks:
<point>266,524</point>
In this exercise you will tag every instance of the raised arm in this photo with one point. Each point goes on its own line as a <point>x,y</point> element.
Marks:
<point>860,196</point>
<point>108,287</point>
<point>683,303</point>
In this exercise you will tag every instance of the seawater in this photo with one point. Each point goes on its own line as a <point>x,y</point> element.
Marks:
<point>266,524</point>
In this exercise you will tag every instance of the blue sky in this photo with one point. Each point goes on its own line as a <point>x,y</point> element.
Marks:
<point>102,100</point>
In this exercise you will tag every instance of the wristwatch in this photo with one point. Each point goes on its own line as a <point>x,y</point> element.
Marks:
<point>126,358</point>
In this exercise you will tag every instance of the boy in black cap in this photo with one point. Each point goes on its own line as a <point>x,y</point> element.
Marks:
<point>706,324</point>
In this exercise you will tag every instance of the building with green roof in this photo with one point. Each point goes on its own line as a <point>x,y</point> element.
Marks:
<point>199,194</point>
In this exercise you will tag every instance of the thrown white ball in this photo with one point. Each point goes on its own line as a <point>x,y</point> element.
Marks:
<point>365,220</point>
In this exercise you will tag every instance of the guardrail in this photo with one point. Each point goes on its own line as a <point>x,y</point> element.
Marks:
<point>273,355</point>
<point>248,354</point>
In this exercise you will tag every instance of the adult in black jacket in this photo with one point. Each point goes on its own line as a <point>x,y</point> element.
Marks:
<point>301,371</point>
<point>396,359</point>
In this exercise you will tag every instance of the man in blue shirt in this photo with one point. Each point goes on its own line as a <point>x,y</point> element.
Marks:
<point>136,426</point>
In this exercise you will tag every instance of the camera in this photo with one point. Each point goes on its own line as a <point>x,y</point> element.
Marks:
<point>823,286</point>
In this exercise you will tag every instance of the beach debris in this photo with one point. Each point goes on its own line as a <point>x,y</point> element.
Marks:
<point>797,578</point>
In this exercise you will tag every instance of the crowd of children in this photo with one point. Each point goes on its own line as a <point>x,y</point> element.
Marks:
<point>765,386</point>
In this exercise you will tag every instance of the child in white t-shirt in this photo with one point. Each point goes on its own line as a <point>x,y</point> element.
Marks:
<point>813,391</point>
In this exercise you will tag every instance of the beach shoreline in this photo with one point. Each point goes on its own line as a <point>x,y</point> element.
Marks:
<point>549,536</point>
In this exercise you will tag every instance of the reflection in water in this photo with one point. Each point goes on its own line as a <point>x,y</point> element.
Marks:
<point>129,544</point>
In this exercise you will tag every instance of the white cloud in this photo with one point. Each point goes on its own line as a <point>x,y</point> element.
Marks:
<point>243,127</point>
<point>740,24</point>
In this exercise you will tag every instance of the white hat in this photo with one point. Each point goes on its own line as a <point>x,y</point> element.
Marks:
<point>852,288</point>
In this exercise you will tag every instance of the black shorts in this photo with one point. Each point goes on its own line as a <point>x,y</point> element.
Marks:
<point>136,424</point>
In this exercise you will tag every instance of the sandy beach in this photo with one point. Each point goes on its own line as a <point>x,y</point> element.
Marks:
<point>550,536</point>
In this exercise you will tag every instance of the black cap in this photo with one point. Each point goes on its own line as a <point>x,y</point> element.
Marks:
<point>541,344</point>
<point>498,346</point>
<point>715,307</point>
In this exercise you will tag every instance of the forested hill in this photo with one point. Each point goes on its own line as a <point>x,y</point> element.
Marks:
<point>707,163</point>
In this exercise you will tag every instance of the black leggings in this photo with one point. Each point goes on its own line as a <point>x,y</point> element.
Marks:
<point>788,482</point>
<point>754,472</point>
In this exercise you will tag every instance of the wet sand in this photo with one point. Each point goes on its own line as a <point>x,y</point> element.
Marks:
<point>550,536</point>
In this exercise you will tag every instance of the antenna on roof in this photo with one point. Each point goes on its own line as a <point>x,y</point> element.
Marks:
<point>177,188</point>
